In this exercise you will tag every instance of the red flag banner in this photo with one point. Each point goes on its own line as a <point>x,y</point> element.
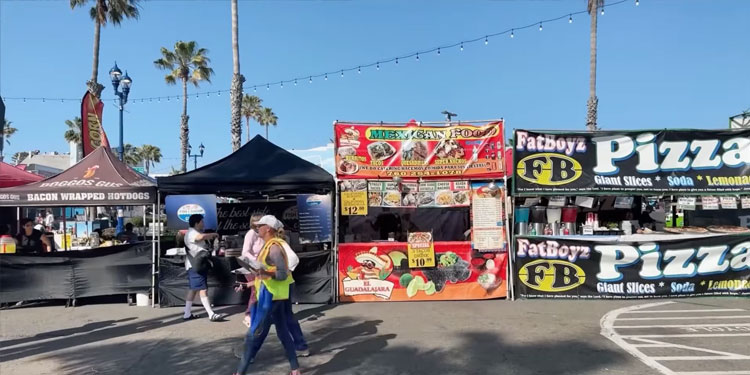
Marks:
<point>92,132</point>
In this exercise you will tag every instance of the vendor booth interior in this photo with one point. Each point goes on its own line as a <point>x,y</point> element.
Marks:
<point>258,178</point>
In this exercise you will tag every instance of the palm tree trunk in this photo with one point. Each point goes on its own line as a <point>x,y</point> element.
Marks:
<point>266,132</point>
<point>148,166</point>
<point>93,86</point>
<point>593,102</point>
<point>237,79</point>
<point>184,128</point>
<point>247,121</point>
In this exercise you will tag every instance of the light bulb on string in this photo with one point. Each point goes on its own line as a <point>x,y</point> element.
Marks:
<point>167,98</point>
<point>196,96</point>
<point>438,51</point>
<point>295,81</point>
<point>255,89</point>
<point>359,70</point>
<point>397,61</point>
<point>268,86</point>
<point>462,46</point>
<point>326,77</point>
<point>342,74</point>
<point>417,56</point>
<point>377,66</point>
<point>310,79</point>
<point>637,2</point>
<point>540,26</point>
<point>282,85</point>
<point>208,94</point>
<point>570,19</point>
<point>62,100</point>
<point>511,33</point>
<point>218,93</point>
<point>24,100</point>
<point>602,11</point>
<point>42,100</point>
<point>486,41</point>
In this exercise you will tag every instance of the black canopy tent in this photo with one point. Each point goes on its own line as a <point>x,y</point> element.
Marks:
<point>263,169</point>
<point>258,167</point>
<point>100,179</point>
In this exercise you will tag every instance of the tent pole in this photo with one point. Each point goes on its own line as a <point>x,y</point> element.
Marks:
<point>335,249</point>
<point>153,253</point>
<point>18,219</point>
<point>65,229</point>
<point>157,228</point>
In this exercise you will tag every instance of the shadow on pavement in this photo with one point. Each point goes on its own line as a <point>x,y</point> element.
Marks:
<point>64,332</point>
<point>347,345</point>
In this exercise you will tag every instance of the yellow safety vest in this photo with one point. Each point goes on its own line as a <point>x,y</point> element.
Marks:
<point>278,288</point>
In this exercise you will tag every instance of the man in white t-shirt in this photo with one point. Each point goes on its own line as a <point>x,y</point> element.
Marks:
<point>195,242</point>
<point>49,221</point>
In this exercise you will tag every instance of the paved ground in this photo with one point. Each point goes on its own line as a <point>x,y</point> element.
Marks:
<point>679,338</point>
<point>490,337</point>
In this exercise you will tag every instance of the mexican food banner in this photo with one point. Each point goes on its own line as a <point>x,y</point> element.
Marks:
<point>411,150</point>
<point>684,267</point>
<point>381,272</point>
<point>667,161</point>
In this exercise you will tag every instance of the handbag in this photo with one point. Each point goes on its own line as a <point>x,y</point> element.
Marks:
<point>202,262</point>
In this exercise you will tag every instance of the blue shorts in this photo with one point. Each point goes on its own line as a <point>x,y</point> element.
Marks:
<point>196,280</point>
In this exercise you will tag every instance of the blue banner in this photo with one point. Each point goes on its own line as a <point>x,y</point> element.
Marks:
<point>180,207</point>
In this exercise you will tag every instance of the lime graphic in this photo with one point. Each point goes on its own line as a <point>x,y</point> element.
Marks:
<point>412,289</point>
<point>405,280</point>
<point>429,288</point>
<point>419,281</point>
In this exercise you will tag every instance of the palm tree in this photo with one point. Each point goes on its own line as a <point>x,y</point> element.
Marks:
<point>237,80</point>
<point>593,102</point>
<point>150,155</point>
<point>131,155</point>
<point>251,108</point>
<point>267,118</point>
<point>8,131</point>
<point>73,134</point>
<point>104,11</point>
<point>187,63</point>
<point>19,157</point>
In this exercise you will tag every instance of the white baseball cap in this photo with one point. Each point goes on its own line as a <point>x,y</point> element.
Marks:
<point>271,221</point>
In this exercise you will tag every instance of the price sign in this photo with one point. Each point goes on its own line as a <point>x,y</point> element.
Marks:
<point>421,250</point>
<point>745,202</point>
<point>557,201</point>
<point>353,203</point>
<point>686,203</point>
<point>729,203</point>
<point>710,203</point>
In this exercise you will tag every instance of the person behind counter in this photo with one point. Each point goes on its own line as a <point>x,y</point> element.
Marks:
<point>30,240</point>
<point>127,235</point>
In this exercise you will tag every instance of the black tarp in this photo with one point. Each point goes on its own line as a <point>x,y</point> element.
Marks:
<point>258,167</point>
<point>312,279</point>
<point>116,270</point>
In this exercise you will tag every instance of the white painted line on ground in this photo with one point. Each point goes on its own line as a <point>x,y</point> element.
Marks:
<point>689,317</point>
<point>607,324</point>
<point>721,354</point>
<point>681,311</point>
<point>688,325</point>
<point>696,358</point>
<point>741,372</point>
<point>687,335</point>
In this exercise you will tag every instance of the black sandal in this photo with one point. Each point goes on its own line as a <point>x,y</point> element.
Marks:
<point>191,317</point>
<point>218,317</point>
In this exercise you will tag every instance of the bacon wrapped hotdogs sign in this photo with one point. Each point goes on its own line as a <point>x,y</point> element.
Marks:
<point>411,150</point>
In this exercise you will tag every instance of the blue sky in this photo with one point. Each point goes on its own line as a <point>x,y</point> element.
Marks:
<point>665,63</point>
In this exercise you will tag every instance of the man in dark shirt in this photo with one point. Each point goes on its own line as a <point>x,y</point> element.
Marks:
<point>30,240</point>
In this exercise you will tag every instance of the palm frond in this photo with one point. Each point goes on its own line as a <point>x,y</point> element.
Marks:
<point>170,79</point>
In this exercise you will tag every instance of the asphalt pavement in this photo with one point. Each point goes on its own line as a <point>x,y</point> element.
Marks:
<point>483,337</point>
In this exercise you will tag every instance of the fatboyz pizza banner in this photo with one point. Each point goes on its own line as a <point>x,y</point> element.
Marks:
<point>669,161</point>
<point>412,150</point>
<point>701,266</point>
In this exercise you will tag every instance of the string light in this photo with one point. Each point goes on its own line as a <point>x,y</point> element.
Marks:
<point>359,68</point>
<point>268,86</point>
<point>255,89</point>
<point>282,85</point>
<point>342,74</point>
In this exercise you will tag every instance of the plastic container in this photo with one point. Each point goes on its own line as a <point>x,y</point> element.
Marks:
<point>522,215</point>
<point>569,214</point>
<point>7,245</point>
<point>538,214</point>
<point>553,215</point>
<point>141,299</point>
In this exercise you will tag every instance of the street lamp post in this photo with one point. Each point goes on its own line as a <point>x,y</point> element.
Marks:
<point>117,78</point>
<point>195,157</point>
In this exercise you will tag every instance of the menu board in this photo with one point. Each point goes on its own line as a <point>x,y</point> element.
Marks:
<point>420,250</point>
<point>488,229</point>
<point>412,194</point>
<point>315,222</point>
<point>413,150</point>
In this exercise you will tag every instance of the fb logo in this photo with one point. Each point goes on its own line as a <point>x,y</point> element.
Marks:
<point>549,169</point>
<point>551,275</point>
